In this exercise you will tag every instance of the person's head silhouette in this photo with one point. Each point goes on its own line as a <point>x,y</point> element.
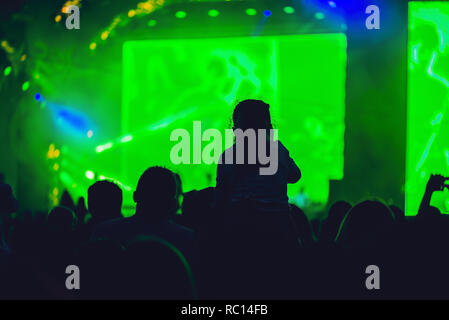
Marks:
<point>61,219</point>
<point>157,194</point>
<point>104,201</point>
<point>252,114</point>
<point>367,223</point>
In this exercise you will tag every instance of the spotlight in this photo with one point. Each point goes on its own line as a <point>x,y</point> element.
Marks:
<point>213,13</point>
<point>181,14</point>
<point>332,4</point>
<point>25,86</point>
<point>90,175</point>
<point>319,16</point>
<point>289,10</point>
<point>267,13</point>
<point>7,71</point>
<point>251,12</point>
<point>38,97</point>
<point>104,35</point>
<point>152,23</point>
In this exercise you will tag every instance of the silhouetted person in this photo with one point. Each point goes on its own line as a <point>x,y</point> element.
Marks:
<point>398,213</point>
<point>366,224</point>
<point>157,199</point>
<point>332,223</point>
<point>243,180</point>
<point>251,194</point>
<point>67,200</point>
<point>81,210</point>
<point>366,237</point>
<point>8,205</point>
<point>61,219</point>
<point>103,269</point>
<point>302,226</point>
<point>155,269</point>
<point>104,201</point>
<point>435,183</point>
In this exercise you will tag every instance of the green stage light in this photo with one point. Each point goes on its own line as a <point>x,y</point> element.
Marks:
<point>319,16</point>
<point>427,148</point>
<point>289,10</point>
<point>152,23</point>
<point>181,14</point>
<point>7,71</point>
<point>25,86</point>
<point>251,12</point>
<point>213,13</point>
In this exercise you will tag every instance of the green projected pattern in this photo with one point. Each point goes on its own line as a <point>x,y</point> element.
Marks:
<point>428,101</point>
<point>168,84</point>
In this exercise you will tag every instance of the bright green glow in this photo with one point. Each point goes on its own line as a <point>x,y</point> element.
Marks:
<point>289,10</point>
<point>167,84</point>
<point>213,13</point>
<point>181,14</point>
<point>319,15</point>
<point>90,175</point>
<point>428,103</point>
<point>127,138</point>
<point>152,23</point>
<point>251,12</point>
<point>104,147</point>
<point>7,71</point>
<point>25,86</point>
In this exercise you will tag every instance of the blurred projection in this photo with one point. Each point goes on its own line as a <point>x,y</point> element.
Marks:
<point>210,76</point>
<point>428,102</point>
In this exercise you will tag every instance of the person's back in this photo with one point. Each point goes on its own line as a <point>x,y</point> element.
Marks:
<point>250,184</point>
<point>157,199</point>
<point>248,172</point>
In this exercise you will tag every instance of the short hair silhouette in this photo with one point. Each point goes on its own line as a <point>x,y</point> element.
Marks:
<point>157,191</point>
<point>104,200</point>
<point>61,219</point>
<point>252,114</point>
<point>365,224</point>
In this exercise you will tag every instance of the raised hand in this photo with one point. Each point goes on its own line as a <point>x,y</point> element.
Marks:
<point>436,183</point>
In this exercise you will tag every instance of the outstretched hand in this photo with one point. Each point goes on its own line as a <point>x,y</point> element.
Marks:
<point>436,183</point>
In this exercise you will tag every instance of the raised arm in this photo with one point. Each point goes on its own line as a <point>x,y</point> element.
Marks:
<point>435,183</point>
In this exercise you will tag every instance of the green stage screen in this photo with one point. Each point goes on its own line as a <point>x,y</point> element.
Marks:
<point>168,84</point>
<point>428,102</point>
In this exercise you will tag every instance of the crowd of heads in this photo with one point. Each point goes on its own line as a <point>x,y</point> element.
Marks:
<point>239,254</point>
<point>209,248</point>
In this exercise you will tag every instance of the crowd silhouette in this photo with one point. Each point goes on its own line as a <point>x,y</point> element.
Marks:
<point>239,240</point>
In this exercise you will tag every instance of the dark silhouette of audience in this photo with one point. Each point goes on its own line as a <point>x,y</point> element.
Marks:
<point>241,180</point>
<point>238,240</point>
<point>157,201</point>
